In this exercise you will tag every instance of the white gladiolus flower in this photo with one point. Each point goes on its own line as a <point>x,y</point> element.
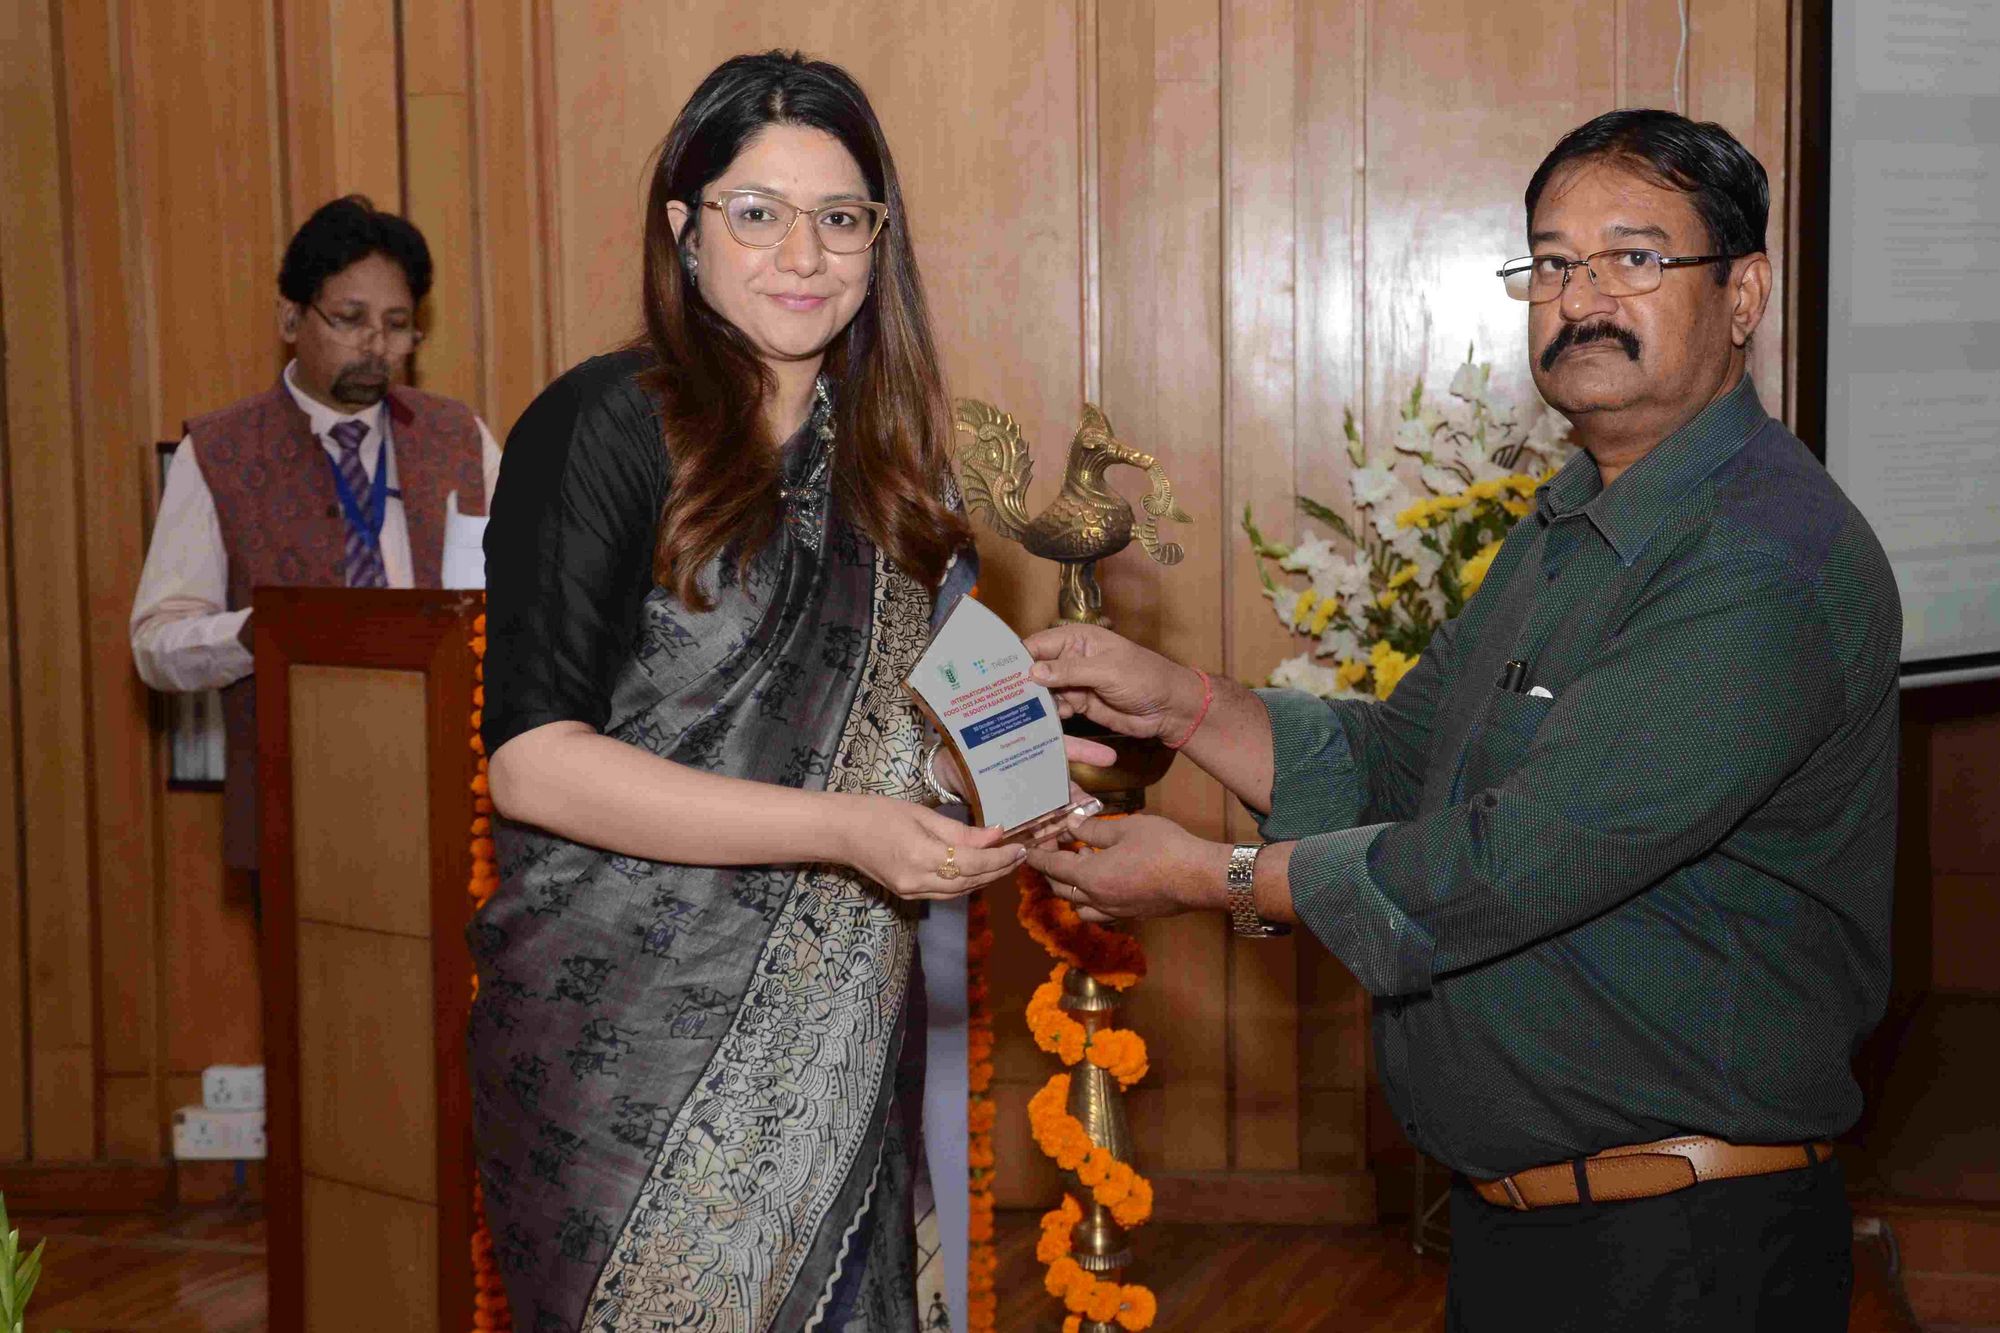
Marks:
<point>1342,642</point>
<point>1473,453</point>
<point>1373,484</point>
<point>1310,556</point>
<point>1302,673</point>
<point>1469,382</point>
<point>1385,522</point>
<point>1445,452</point>
<point>1413,436</point>
<point>1550,431</point>
<point>1285,601</point>
<point>1348,577</point>
<point>1443,480</point>
<point>1434,598</point>
<point>1427,561</point>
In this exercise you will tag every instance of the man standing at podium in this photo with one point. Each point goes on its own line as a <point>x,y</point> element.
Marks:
<point>335,476</point>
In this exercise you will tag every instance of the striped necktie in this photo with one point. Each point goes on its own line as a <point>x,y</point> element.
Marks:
<point>362,563</point>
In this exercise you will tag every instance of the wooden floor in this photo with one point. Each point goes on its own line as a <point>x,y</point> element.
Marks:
<point>202,1271</point>
<point>197,1271</point>
<point>1250,1279</point>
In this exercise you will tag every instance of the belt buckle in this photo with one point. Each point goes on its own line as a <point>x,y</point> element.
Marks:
<point>1514,1194</point>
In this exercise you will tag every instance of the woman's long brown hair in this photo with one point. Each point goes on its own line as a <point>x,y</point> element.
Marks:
<point>892,423</point>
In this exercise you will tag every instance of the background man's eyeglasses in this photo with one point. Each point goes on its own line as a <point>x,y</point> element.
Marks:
<point>763,221</point>
<point>1615,272</point>
<point>358,331</point>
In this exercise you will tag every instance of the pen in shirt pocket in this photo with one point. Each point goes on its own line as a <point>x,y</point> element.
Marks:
<point>1514,680</point>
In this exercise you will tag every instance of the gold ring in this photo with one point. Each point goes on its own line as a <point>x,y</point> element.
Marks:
<point>949,870</point>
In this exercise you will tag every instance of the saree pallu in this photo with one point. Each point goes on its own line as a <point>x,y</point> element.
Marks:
<point>696,1089</point>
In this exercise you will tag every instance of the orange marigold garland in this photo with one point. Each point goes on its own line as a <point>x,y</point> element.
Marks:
<point>1120,1052</point>
<point>1117,960</point>
<point>1083,1293</point>
<point>982,1299</point>
<point>489,1296</point>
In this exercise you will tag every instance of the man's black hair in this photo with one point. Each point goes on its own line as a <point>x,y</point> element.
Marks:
<point>1722,179</point>
<point>345,232</point>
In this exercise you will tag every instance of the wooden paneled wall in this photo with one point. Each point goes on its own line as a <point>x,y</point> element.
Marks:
<point>1224,220</point>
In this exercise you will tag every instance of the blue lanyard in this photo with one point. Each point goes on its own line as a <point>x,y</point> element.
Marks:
<point>369,522</point>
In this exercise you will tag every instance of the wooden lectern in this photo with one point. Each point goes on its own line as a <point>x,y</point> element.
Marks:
<point>364,703</point>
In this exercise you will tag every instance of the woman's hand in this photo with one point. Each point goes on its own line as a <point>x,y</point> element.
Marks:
<point>1114,682</point>
<point>902,847</point>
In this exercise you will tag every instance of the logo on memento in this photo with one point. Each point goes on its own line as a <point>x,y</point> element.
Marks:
<point>950,673</point>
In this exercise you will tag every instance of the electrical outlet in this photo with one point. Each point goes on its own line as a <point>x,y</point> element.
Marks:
<point>233,1087</point>
<point>201,1134</point>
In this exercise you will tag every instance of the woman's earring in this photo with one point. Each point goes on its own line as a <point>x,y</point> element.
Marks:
<point>692,264</point>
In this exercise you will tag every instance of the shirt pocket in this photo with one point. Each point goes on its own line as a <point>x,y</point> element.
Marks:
<point>1499,741</point>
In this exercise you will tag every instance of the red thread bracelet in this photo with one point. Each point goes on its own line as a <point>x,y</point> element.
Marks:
<point>1207,697</point>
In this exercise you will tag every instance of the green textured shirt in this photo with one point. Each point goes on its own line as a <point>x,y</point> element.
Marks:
<point>1655,901</point>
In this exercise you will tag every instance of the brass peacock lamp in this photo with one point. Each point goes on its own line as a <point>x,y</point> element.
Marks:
<point>1086,522</point>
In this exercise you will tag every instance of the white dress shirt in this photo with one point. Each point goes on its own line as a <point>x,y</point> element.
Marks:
<point>183,635</point>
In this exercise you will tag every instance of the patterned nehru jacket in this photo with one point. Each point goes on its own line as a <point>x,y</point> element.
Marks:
<point>282,527</point>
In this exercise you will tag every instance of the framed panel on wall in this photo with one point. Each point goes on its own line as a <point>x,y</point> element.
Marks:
<point>1911,159</point>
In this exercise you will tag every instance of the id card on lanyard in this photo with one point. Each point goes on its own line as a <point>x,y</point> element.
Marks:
<point>365,516</point>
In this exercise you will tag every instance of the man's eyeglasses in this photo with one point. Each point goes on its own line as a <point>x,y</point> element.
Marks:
<point>356,331</point>
<point>1541,278</point>
<point>763,221</point>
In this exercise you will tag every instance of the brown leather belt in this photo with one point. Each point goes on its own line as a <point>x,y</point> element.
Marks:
<point>1644,1170</point>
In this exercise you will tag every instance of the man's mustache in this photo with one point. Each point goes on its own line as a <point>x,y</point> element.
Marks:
<point>1576,335</point>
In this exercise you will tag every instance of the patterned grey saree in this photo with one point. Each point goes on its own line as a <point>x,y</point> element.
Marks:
<point>697,1089</point>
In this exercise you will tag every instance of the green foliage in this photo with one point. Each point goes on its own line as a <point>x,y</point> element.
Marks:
<point>18,1275</point>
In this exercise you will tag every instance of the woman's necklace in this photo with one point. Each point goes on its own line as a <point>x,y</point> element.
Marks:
<point>805,503</point>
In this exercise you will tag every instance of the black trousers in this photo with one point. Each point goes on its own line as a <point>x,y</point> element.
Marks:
<point>1732,1256</point>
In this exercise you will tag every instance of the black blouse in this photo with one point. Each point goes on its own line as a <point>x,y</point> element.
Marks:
<point>569,547</point>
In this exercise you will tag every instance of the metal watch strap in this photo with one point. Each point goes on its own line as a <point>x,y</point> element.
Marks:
<point>1243,917</point>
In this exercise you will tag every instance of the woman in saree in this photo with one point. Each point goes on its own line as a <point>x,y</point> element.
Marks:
<point>713,558</point>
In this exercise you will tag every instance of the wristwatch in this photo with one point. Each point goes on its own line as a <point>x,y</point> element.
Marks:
<point>1243,916</point>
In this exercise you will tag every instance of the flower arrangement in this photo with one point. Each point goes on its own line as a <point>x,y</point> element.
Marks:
<point>1408,560</point>
<point>489,1294</point>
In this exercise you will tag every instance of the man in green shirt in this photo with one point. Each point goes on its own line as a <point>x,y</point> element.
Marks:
<point>1615,857</point>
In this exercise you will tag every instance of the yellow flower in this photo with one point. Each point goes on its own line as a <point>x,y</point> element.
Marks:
<point>1518,508</point>
<point>1349,674</point>
<point>1323,616</point>
<point>1402,576</point>
<point>1302,613</point>
<point>1416,516</point>
<point>1484,490</point>
<point>1387,599</point>
<point>1389,666</point>
<point>1473,572</point>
